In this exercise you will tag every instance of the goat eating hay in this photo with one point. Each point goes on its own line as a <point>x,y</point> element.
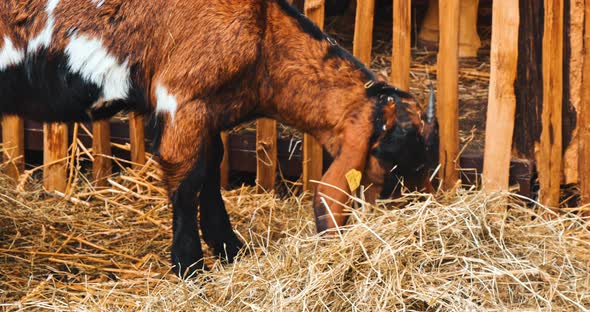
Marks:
<point>203,67</point>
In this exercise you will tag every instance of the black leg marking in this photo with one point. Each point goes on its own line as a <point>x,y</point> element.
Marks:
<point>215,223</point>
<point>187,255</point>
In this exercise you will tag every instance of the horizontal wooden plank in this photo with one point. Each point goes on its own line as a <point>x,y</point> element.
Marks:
<point>243,155</point>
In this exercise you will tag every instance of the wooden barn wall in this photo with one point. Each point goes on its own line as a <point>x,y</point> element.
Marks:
<point>529,82</point>
<point>572,77</point>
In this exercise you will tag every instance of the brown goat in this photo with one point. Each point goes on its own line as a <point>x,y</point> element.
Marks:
<point>203,67</point>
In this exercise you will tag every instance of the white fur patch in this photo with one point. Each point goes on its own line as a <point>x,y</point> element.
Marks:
<point>98,3</point>
<point>9,55</point>
<point>51,5</point>
<point>89,58</point>
<point>43,39</point>
<point>165,101</point>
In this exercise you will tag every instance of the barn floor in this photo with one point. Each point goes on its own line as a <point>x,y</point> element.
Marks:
<point>108,249</point>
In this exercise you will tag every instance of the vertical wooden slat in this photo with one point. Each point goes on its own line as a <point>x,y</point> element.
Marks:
<point>315,10</point>
<point>529,79</point>
<point>55,150</point>
<point>550,153</point>
<point>363,30</point>
<point>225,167</point>
<point>266,154</point>
<point>312,162</point>
<point>312,150</point>
<point>101,146</point>
<point>573,66</point>
<point>402,37</point>
<point>584,122</point>
<point>137,139</point>
<point>502,98</point>
<point>448,99</point>
<point>13,140</point>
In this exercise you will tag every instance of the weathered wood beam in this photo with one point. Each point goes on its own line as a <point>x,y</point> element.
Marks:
<point>363,30</point>
<point>502,98</point>
<point>13,144</point>
<point>137,139</point>
<point>101,147</point>
<point>55,152</point>
<point>572,86</point>
<point>550,148</point>
<point>529,80</point>
<point>402,37</point>
<point>266,154</point>
<point>584,122</point>
<point>448,89</point>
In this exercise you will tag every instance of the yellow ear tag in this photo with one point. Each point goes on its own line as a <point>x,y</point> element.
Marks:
<point>353,177</point>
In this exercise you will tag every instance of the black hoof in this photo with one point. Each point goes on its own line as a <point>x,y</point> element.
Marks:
<point>228,249</point>
<point>189,271</point>
<point>188,267</point>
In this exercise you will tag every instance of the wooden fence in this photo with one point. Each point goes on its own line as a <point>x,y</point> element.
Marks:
<point>507,26</point>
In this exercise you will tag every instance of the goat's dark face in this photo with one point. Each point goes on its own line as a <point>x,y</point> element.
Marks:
<point>405,143</point>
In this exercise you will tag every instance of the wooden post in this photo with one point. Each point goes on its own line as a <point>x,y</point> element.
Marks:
<point>312,150</point>
<point>573,66</point>
<point>225,167</point>
<point>584,122</point>
<point>550,154</point>
<point>402,37</point>
<point>55,152</point>
<point>137,139</point>
<point>312,162</point>
<point>13,140</point>
<point>448,99</point>
<point>502,98</point>
<point>529,80</point>
<point>101,147</point>
<point>363,30</point>
<point>266,154</point>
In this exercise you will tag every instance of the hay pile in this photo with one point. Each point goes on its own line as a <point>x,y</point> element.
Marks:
<point>108,250</point>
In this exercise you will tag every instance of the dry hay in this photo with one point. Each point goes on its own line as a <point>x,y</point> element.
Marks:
<point>108,249</point>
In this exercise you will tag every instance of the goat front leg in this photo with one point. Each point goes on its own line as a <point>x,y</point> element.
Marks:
<point>334,190</point>
<point>215,223</point>
<point>182,156</point>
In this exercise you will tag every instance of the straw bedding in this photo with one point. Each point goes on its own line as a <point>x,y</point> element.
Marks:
<point>108,249</point>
